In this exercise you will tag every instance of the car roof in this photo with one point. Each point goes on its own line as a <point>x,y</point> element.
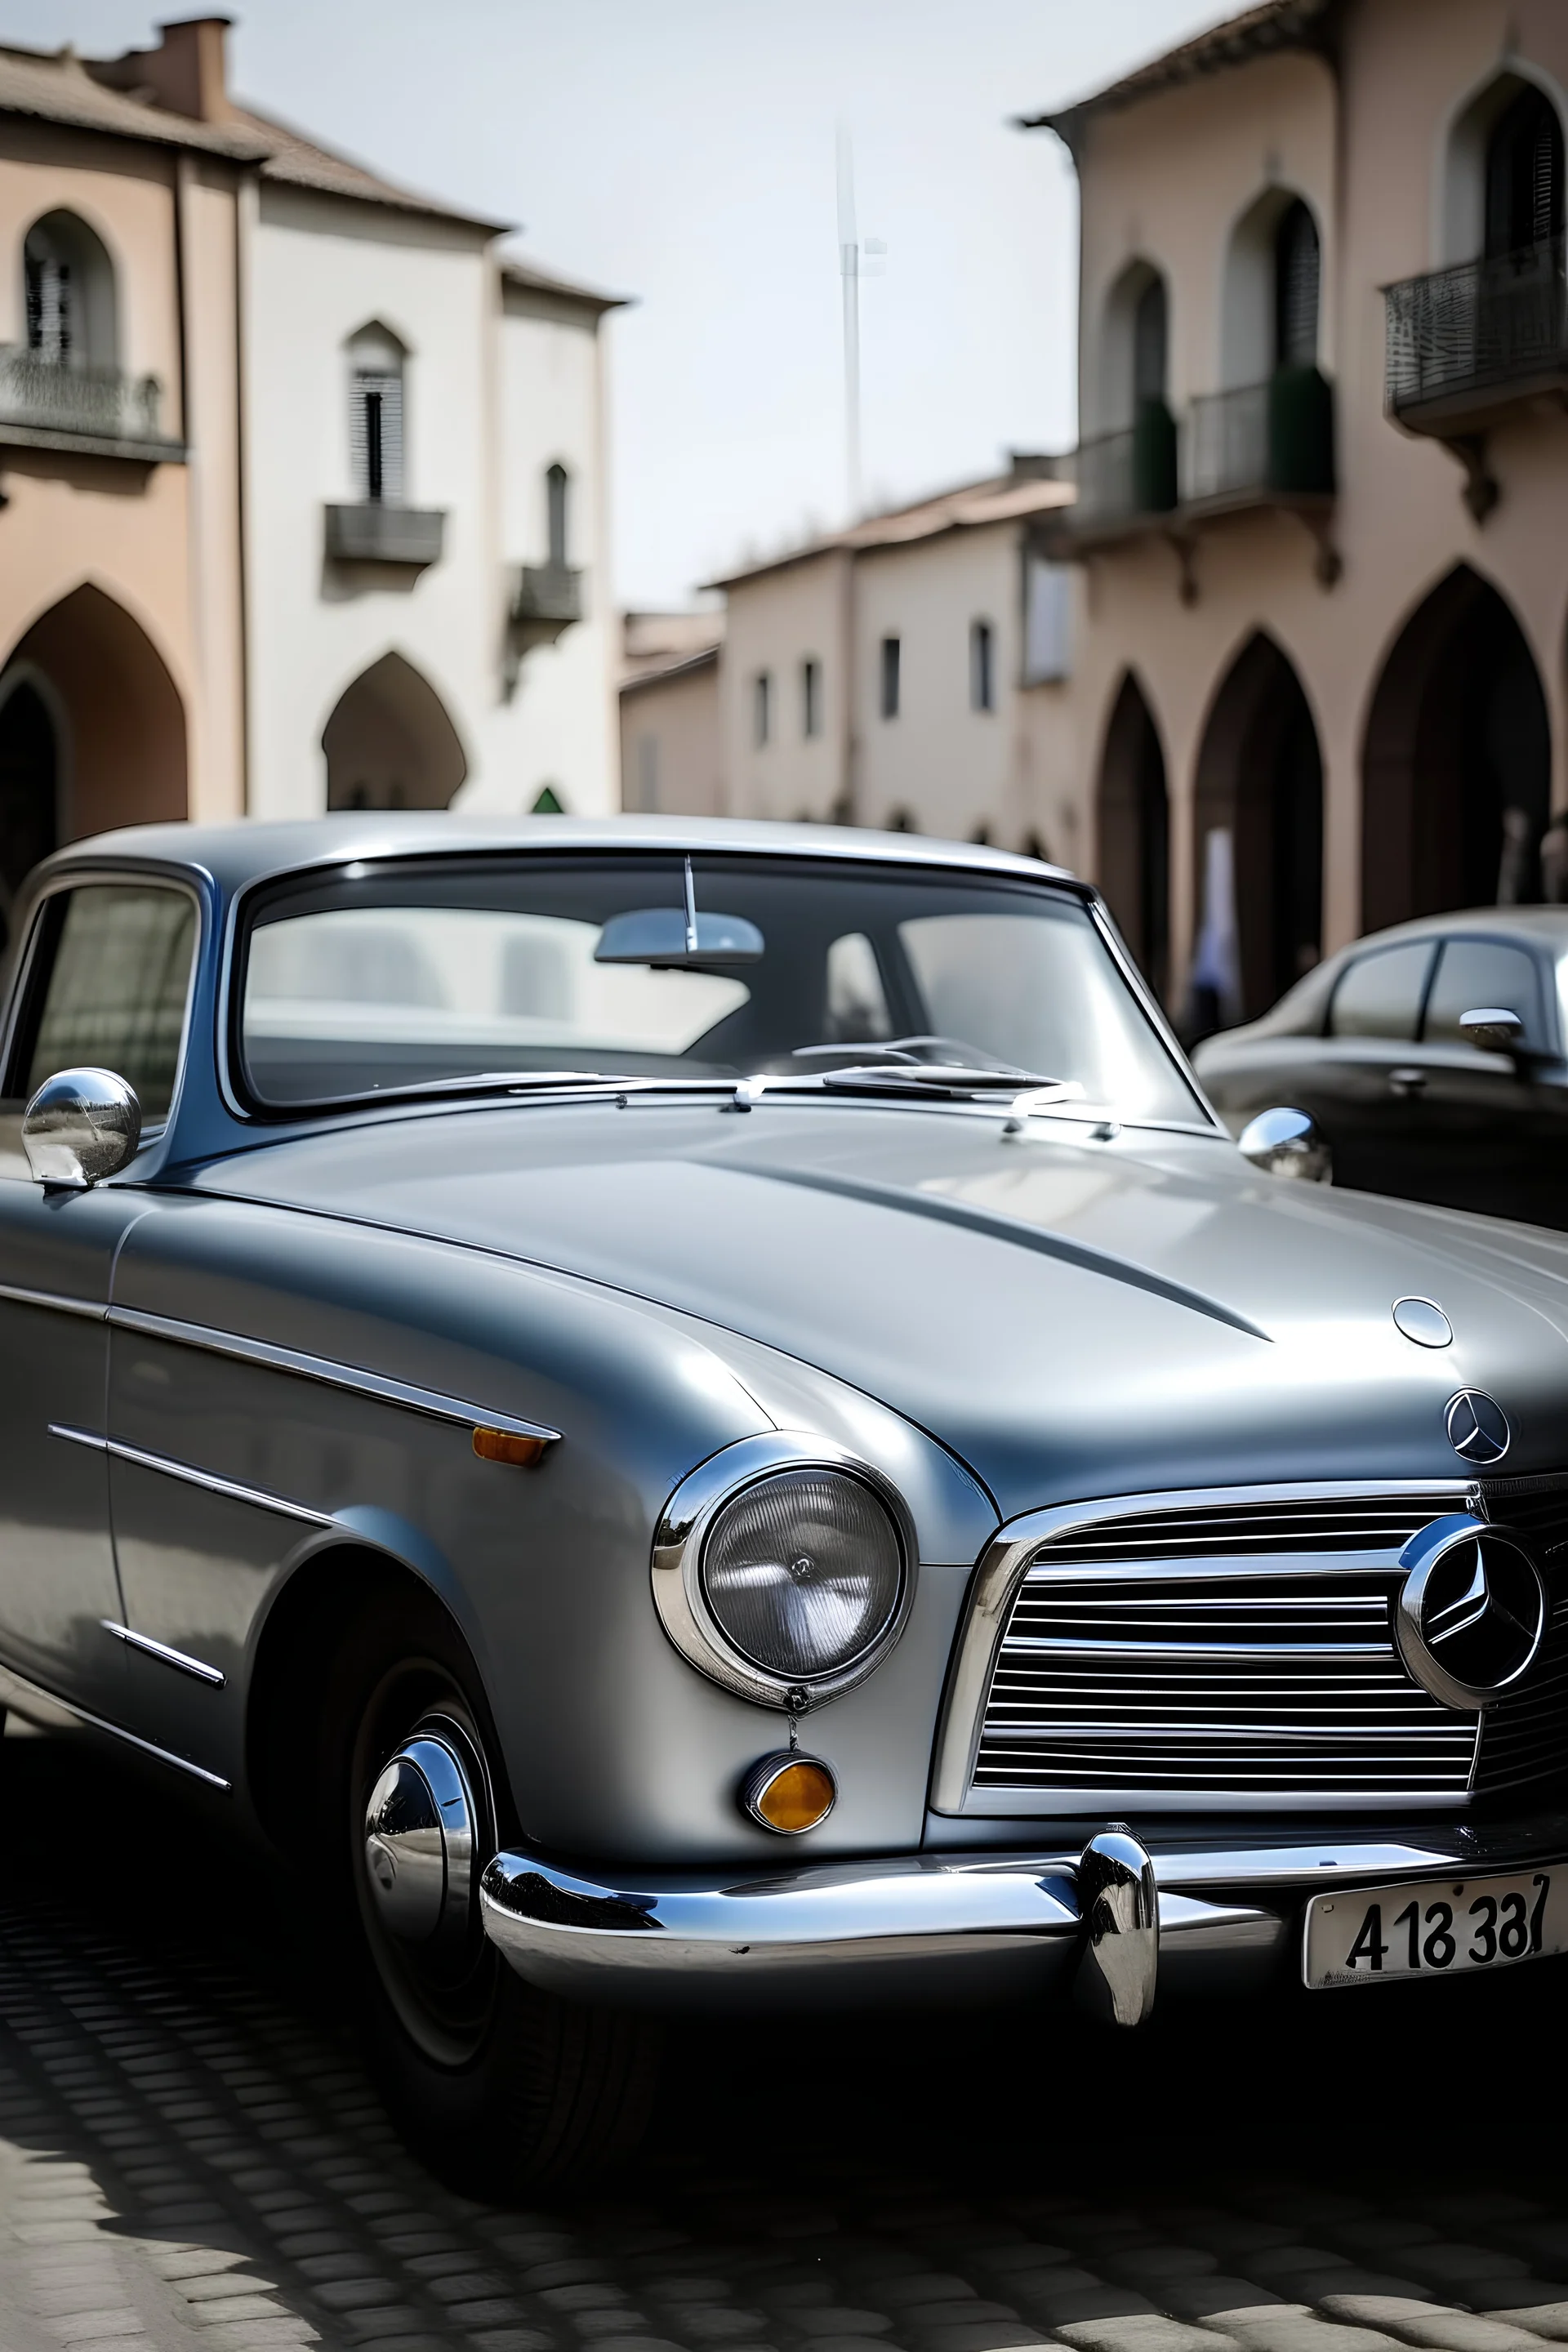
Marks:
<point>1548,924</point>
<point>249,850</point>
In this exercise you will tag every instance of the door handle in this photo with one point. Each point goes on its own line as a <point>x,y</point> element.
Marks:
<point>1406,1082</point>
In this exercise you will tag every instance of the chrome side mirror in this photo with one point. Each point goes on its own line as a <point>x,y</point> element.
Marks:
<point>1284,1142</point>
<point>1493,1029</point>
<point>80,1126</point>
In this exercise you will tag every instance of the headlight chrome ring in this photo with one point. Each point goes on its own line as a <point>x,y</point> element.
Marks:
<point>725,1498</point>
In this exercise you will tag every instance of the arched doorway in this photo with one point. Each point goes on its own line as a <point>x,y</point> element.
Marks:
<point>1260,783</point>
<point>92,733</point>
<point>29,788</point>
<point>1133,849</point>
<point>1456,765</point>
<point>390,744</point>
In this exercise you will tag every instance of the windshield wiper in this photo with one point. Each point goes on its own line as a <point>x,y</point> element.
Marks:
<point>945,1079</point>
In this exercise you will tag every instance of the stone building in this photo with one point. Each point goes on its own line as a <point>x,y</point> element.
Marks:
<point>302,475</point>
<point>1322,475</point>
<point>905,672</point>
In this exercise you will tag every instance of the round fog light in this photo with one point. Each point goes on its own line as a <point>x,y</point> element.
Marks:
<point>789,1793</point>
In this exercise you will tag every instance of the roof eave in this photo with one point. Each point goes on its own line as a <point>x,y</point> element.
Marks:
<point>1265,31</point>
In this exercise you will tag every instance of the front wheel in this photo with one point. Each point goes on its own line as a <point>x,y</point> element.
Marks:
<point>496,2083</point>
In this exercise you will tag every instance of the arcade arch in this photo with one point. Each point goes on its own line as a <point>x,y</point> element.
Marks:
<point>390,743</point>
<point>1260,782</point>
<point>1455,763</point>
<point>1133,826</point>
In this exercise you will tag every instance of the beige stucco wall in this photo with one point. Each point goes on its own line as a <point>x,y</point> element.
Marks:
<point>1167,179</point>
<point>671,743</point>
<point>950,768</point>
<point>775,621</point>
<point>160,542</point>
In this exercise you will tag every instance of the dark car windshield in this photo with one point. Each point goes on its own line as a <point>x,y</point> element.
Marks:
<point>405,975</point>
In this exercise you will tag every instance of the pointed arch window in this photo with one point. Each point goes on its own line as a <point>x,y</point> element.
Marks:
<point>69,281</point>
<point>557,510</point>
<point>377,361</point>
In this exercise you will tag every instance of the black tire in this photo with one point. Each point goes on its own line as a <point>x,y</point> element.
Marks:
<point>495,2084</point>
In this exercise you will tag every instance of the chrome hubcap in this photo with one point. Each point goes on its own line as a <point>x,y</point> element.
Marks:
<point>419,1833</point>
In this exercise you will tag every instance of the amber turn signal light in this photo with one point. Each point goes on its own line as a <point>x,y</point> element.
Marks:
<point>502,1445</point>
<point>788,1793</point>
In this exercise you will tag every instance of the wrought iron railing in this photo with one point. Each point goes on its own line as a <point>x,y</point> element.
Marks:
<point>98,403</point>
<point>1122,476</point>
<point>1479,327</point>
<point>1270,439</point>
<point>1227,442</point>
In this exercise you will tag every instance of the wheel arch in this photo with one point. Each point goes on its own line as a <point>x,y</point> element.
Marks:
<point>347,1578</point>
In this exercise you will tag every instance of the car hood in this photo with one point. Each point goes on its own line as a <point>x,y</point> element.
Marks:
<point>1073,1313</point>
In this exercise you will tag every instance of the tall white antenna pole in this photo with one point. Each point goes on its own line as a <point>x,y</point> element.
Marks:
<point>849,274</point>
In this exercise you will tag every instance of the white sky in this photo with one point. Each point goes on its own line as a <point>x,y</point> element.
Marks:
<point>683,152</point>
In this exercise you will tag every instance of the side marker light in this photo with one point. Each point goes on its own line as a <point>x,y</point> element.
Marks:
<point>502,1445</point>
<point>789,1793</point>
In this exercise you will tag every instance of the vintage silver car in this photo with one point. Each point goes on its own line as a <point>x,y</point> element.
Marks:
<point>689,1414</point>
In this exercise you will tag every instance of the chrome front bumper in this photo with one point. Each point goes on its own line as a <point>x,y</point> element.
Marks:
<point>961,1928</point>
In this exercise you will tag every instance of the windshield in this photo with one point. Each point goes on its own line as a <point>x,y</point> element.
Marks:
<point>413,975</point>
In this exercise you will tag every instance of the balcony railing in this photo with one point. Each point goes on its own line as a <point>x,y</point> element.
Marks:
<point>1124,475</point>
<point>91,404</point>
<point>548,592</point>
<point>1265,440</point>
<point>1466,341</point>
<point>377,531</point>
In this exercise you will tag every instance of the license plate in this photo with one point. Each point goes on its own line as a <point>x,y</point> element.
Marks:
<point>1443,1927</point>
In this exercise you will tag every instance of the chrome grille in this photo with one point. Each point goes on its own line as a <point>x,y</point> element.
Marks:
<point>1225,1655</point>
<point>1526,1738</point>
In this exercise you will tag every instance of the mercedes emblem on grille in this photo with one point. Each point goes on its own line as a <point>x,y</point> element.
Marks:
<point>1470,1613</point>
<point>1477,1426</point>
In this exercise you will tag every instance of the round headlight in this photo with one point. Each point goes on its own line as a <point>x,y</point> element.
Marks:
<point>802,1572</point>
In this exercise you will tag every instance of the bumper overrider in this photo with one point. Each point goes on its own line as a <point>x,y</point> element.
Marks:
<point>1109,1921</point>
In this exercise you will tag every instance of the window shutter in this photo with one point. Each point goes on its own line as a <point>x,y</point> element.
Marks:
<point>375,416</point>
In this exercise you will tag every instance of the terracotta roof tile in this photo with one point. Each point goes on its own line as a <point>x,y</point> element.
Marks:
<point>56,87</point>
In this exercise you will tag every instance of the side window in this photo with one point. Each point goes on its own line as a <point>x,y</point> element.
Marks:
<point>1476,972</point>
<point>114,993</point>
<point>1379,995</point>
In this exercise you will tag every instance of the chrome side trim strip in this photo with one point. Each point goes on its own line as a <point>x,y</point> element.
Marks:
<point>230,1488</point>
<point>48,1698</point>
<point>329,1374</point>
<point>187,1665</point>
<point>1006,1562</point>
<point>54,1302</point>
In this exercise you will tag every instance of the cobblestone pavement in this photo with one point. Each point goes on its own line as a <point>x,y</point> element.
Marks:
<point>190,2156</point>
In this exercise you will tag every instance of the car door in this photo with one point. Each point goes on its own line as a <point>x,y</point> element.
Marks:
<point>1490,1132</point>
<point>1357,1085</point>
<point>104,981</point>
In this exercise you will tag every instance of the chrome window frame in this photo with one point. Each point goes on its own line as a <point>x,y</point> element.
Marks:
<point>999,1577</point>
<point>677,1564</point>
<point>77,877</point>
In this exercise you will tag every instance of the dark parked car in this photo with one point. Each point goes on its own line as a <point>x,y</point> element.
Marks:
<point>1410,1095</point>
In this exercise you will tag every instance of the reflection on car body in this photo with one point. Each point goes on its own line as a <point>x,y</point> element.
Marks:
<point>691,1414</point>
